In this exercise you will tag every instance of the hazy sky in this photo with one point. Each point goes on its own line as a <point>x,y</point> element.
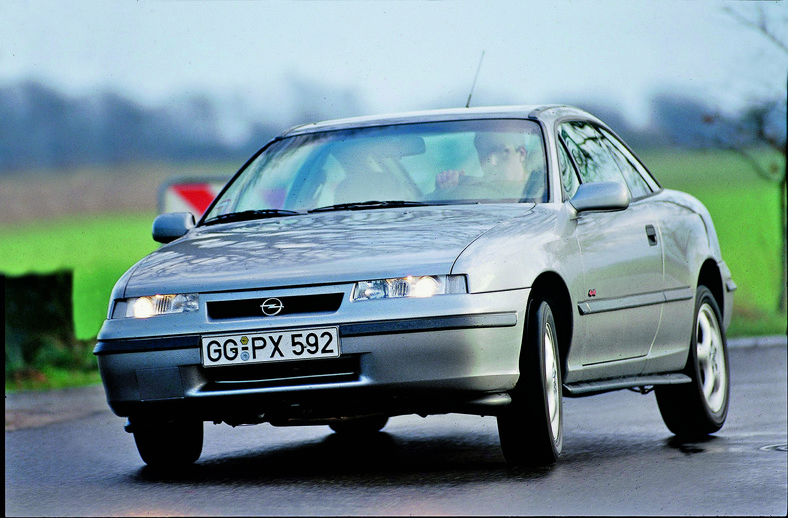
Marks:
<point>395,55</point>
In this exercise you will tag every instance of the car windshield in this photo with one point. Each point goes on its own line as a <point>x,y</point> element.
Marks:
<point>477,161</point>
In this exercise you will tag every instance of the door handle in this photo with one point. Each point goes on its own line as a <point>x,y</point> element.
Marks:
<point>651,232</point>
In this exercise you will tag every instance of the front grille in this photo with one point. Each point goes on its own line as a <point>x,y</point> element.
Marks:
<point>267,306</point>
<point>290,373</point>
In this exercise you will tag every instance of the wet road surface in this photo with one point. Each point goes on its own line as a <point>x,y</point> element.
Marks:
<point>618,459</point>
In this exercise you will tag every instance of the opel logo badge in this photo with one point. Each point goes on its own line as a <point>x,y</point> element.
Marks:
<point>272,307</point>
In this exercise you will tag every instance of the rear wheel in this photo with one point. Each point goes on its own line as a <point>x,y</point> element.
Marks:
<point>699,408</point>
<point>169,445</point>
<point>531,427</point>
<point>360,425</point>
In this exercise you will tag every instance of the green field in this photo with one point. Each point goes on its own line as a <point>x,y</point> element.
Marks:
<point>98,249</point>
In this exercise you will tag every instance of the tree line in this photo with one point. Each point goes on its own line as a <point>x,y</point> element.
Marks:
<point>42,128</point>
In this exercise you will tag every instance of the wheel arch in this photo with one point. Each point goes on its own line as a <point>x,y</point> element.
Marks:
<point>711,277</point>
<point>550,286</point>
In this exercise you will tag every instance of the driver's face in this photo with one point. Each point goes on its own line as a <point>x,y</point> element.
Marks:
<point>502,161</point>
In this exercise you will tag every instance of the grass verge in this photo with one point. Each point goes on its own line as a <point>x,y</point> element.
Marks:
<point>49,378</point>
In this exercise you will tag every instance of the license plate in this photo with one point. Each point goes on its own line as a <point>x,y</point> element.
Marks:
<point>270,346</point>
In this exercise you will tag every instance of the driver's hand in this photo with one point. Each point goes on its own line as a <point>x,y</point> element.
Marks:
<point>448,179</point>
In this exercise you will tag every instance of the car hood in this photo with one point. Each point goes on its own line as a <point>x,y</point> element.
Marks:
<point>320,248</point>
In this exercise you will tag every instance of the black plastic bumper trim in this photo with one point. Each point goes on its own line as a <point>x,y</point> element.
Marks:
<point>416,325</point>
<point>147,344</point>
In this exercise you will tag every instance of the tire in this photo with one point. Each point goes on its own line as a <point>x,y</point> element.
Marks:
<point>360,425</point>
<point>531,427</point>
<point>694,410</point>
<point>169,445</point>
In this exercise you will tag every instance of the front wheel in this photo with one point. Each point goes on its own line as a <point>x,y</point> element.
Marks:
<point>531,427</point>
<point>169,444</point>
<point>699,408</point>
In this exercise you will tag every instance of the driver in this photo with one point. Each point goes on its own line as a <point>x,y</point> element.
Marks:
<point>502,157</point>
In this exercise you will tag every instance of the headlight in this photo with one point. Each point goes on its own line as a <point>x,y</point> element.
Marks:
<point>154,305</point>
<point>416,287</point>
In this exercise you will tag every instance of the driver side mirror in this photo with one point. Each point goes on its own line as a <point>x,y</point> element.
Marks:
<point>601,196</point>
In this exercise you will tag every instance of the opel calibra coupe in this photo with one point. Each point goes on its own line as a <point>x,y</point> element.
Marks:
<point>486,261</point>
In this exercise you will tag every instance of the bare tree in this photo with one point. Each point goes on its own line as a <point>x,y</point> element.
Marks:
<point>763,124</point>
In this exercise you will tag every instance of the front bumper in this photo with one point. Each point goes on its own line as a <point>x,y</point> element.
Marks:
<point>422,362</point>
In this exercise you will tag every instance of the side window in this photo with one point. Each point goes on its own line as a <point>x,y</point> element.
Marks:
<point>594,161</point>
<point>637,185</point>
<point>568,174</point>
<point>633,162</point>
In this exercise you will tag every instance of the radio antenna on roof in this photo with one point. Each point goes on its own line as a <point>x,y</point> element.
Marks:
<point>468,104</point>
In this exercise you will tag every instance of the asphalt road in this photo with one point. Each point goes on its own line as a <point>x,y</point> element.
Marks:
<point>66,454</point>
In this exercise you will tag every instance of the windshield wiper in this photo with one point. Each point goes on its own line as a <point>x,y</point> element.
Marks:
<point>371,204</point>
<point>247,215</point>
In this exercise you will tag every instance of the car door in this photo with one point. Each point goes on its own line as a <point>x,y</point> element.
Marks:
<point>620,303</point>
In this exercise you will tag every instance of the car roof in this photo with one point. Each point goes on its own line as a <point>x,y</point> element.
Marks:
<point>542,112</point>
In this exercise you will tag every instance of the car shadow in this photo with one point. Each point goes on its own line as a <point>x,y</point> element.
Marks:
<point>380,459</point>
<point>692,446</point>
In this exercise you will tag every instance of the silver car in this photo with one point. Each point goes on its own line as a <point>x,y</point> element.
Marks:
<point>481,261</point>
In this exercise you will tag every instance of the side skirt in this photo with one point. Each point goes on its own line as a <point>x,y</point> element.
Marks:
<point>589,388</point>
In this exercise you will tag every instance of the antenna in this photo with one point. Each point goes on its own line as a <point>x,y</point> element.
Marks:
<point>468,104</point>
